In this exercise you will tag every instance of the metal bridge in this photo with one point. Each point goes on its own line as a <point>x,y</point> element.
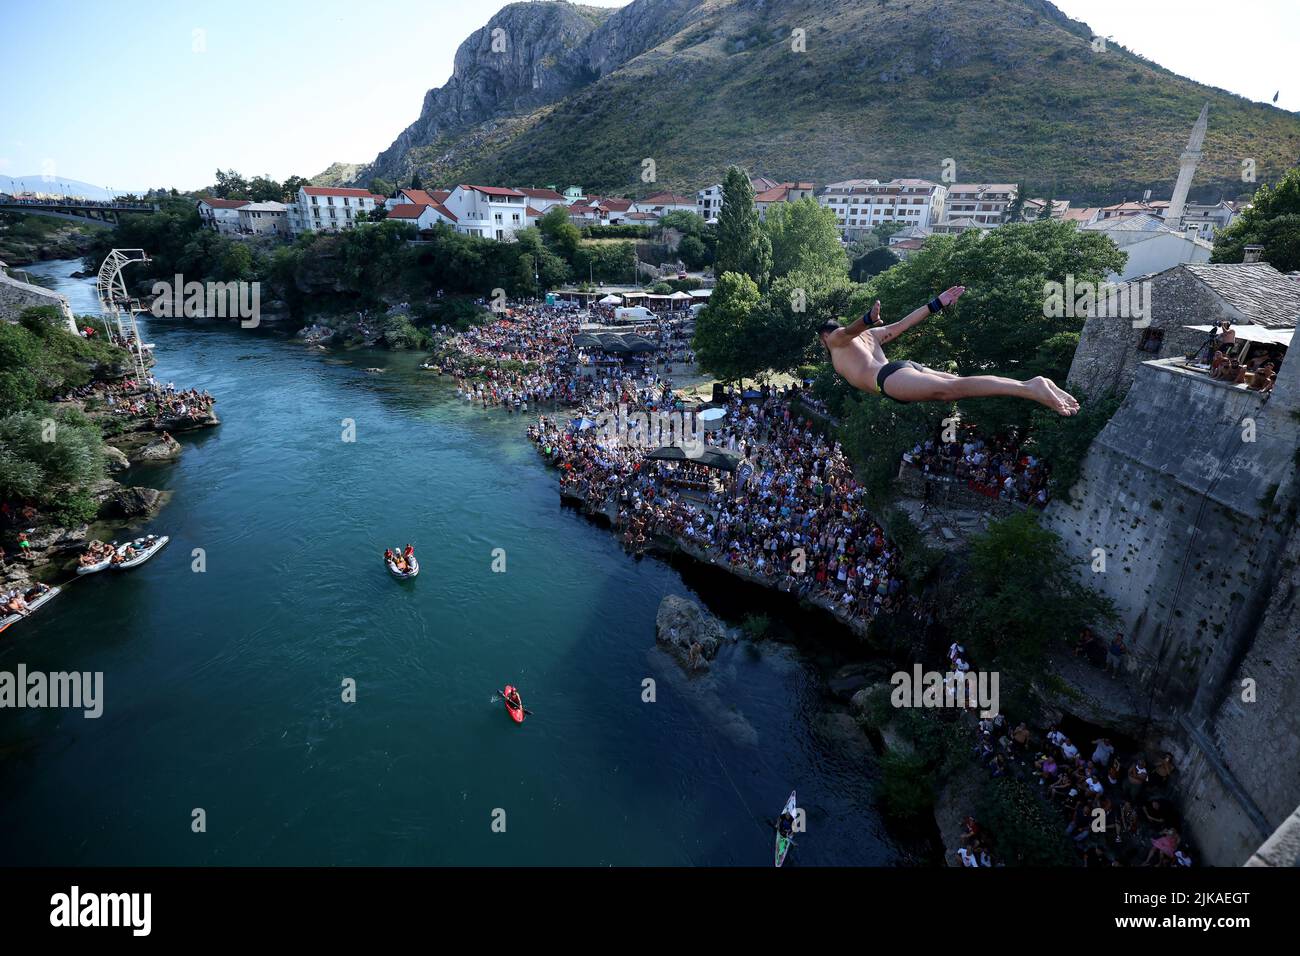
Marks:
<point>76,209</point>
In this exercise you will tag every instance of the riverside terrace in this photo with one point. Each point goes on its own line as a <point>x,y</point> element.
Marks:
<point>790,516</point>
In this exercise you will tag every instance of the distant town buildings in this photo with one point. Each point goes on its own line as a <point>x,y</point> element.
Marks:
<point>330,209</point>
<point>860,205</point>
<point>221,215</point>
<point>263,219</point>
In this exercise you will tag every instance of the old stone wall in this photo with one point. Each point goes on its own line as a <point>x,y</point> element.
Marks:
<point>1109,355</point>
<point>1189,493</point>
<point>15,296</point>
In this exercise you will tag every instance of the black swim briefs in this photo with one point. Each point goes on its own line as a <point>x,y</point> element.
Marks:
<point>888,370</point>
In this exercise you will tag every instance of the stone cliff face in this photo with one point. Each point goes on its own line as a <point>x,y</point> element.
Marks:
<point>528,56</point>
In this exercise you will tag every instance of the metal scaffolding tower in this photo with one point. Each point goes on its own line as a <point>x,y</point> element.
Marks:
<point>114,303</point>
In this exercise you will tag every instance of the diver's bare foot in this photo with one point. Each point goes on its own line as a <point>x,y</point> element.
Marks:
<point>1071,402</point>
<point>1045,392</point>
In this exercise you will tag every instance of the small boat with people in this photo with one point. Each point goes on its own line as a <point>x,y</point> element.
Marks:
<point>97,557</point>
<point>785,829</point>
<point>137,552</point>
<point>514,703</point>
<point>19,604</point>
<point>402,562</point>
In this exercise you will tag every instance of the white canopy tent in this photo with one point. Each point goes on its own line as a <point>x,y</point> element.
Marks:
<point>611,299</point>
<point>1259,334</point>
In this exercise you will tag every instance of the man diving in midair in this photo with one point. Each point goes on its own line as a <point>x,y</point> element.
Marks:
<point>857,355</point>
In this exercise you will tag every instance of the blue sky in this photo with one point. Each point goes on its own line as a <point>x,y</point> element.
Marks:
<point>125,93</point>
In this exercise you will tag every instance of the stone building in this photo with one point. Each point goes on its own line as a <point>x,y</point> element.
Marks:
<point>1248,294</point>
<point>1185,516</point>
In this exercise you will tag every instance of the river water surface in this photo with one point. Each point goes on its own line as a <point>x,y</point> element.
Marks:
<point>223,688</point>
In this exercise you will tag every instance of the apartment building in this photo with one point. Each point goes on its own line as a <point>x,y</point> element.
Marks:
<point>862,204</point>
<point>330,209</point>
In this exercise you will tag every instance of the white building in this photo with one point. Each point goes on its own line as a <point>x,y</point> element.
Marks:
<point>330,209</point>
<point>221,215</point>
<point>492,211</point>
<point>984,204</point>
<point>709,199</point>
<point>263,219</point>
<point>422,217</point>
<point>782,192</point>
<point>666,202</point>
<point>542,200</point>
<point>1151,245</point>
<point>1207,218</point>
<point>862,204</point>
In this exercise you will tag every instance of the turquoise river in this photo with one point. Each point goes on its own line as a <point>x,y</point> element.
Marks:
<point>223,688</point>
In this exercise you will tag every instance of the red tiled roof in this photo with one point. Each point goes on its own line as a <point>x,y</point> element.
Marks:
<point>530,211</point>
<point>494,190</point>
<point>406,211</point>
<point>440,195</point>
<point>775,194</point>
<point>419,197</point>
<point>616,205</point>
<point>225,203</point>
<point>664,199</point>
<point>414,211</point>
<point>336,191</point>
<point>541,194</point>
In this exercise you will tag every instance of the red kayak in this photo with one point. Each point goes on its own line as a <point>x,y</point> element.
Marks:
<point>514,704</point>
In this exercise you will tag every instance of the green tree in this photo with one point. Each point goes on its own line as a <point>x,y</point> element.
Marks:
<point>560,233</point>
<point>415,181</point>
<point>873,263</point>
<point>804,237</point>
<point>1272,220</point>
<point>720,345</point>
<point>692,251</point>
<point>743,247</point>
<point>1045,213</point>
<point>381,187</point>
<point>1022,595</point>
<point>264,189</point>
<point>1016,211</point>
<point>42,455</point>
<point>230,185</point>
<point>289,192</point>
<point>1001,325</point>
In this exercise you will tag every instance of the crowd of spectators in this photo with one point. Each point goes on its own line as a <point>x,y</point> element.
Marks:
<point>998,467</point>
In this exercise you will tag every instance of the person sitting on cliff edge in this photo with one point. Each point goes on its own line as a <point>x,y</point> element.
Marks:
<point>857,355</point>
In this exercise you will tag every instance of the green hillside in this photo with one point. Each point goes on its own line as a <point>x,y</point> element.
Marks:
<point>1010,90</point>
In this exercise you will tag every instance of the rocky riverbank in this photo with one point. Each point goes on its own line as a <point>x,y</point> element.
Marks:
<point>135,439</point>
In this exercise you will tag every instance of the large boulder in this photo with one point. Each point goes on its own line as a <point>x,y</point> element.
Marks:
<point>115,459</point>
<point>681,625</point>
<point>133,502</point>
<point>162,448</point>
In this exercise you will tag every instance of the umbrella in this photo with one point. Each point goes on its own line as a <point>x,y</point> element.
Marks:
<point>611,299</point>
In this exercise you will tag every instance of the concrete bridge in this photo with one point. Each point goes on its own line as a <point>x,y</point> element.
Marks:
<point>75,209</point>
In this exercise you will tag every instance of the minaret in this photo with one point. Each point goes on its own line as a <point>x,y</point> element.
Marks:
<point>1186,170</point>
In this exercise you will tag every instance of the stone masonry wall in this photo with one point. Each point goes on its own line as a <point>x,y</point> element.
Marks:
<point>1197,524</point>
<point>1108,356</point>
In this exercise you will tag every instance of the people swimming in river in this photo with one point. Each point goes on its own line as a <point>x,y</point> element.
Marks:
<point>857,354</point>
